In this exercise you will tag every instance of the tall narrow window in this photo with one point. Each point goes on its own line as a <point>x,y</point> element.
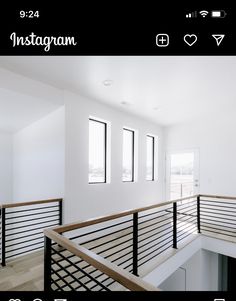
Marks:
<point>128,155</point>
<point>97,151</point>
<point>150,173</point>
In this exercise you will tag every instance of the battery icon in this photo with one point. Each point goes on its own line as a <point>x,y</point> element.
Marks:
<point>218,14</point>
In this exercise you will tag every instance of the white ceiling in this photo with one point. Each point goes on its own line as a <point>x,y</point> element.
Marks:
<point>18,111</point>
<point>181,88</point>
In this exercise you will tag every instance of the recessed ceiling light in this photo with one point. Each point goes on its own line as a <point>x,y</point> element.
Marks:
<point>156,108</point>
<point>107,82</point>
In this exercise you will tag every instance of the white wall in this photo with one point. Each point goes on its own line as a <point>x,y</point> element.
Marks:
<point>199,273</point>
<point>5,167</point>
<point>85,200</point>
<point>215,139</point>
<point>38,159</point>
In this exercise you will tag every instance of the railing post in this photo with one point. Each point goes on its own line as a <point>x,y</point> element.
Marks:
<point>198,215</point>
<point>3,237</point>
<point>175,225</point>
<point>135,243</point>
<point>47,263</point>
<point>60,212</point>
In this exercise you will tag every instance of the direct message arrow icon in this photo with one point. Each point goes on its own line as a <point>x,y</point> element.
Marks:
<point>218,38</point>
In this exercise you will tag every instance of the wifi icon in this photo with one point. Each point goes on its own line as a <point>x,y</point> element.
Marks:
<point>203,13</point>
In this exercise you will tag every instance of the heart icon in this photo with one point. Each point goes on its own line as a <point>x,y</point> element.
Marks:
<point>190,39</point>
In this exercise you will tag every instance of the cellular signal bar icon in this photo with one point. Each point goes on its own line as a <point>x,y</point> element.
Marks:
<point>192,15</point>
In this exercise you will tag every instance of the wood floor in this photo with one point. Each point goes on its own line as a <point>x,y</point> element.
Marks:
<point>23,274</point>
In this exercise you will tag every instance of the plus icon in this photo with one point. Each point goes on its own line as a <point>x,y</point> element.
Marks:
<point>162,40</point>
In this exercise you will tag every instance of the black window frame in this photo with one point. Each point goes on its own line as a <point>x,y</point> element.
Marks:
<point>133,153</point>
<point>153,158</point>
<point>105,149</point>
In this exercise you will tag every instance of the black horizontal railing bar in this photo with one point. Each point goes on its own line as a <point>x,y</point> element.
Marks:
<point>189,229</point>
<point>97,220</point>
<point>205,228</point>
<point>156,212</point>
<point>80,270</point>
<point>203,222</point>
<point>120,264</point>
<point>25,241</point>
<point>187,235</point>
<point>40,213</point>
<point>186,203</point>
<point>118,258</point>
<point>21,253</point>
<point>186,227</point>
<point>208,205</point>
<point>98,230</point>
<point>150,258</point>
<point>30,225</point>
<point>156,223</point>
<point>151,241</point>
<point>219,202</point>
<point>116,252</point>
<point>109,234</point>
<point>160,247</point>
<point>179,212</point>
<point>24,247</point>
<point>27,210</point>
<point>183,209</point>
<point>113,247</point>
<point>141,234</point>
<point>216,209</point>
<point>190,213</point>
<point>20,237</point>
<point>186,218</point>
<point>218,206</point>
<point>29,230</point>
<point>155,218</point>
<point>158,233</point>
<point>163,213</point>
<point>217,219</point>
<point>203,212</point>
<point>29,220</point>
<point>183,226</point>
<point>107,242</point>
<point>225,221</point>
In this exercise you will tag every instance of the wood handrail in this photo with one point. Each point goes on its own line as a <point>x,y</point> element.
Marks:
<point>125,278</point>
<point>101,219</point>
<point>218,197</point>
<point>13,205</point>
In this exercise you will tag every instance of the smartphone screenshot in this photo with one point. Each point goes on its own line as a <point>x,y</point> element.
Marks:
<point>117,153</point>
